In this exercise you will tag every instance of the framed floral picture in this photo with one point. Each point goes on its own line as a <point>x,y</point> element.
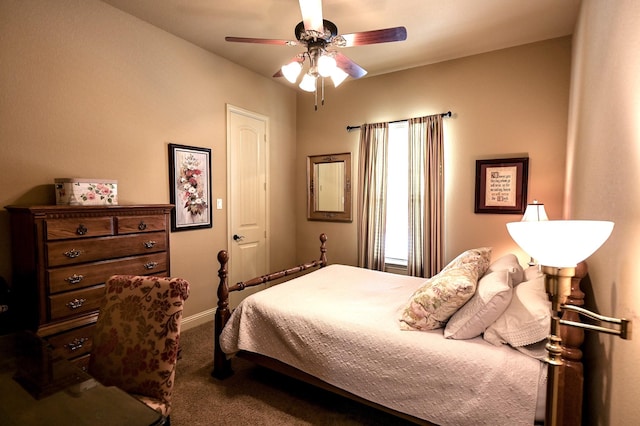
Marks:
<point>501,185</point>
<point>190,187</point>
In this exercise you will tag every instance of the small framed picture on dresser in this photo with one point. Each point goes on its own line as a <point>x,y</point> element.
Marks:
<point>501,185</point>
<point>190,187</point>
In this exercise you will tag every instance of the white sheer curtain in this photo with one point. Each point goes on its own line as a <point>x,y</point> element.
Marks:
<point>372,179</point>
<point>426,196</point>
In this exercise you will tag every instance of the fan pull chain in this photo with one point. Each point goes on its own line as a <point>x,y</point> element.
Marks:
<point>322,91</point>
<point>315,94</point>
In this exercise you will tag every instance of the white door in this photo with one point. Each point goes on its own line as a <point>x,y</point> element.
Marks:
<point>247,194</point>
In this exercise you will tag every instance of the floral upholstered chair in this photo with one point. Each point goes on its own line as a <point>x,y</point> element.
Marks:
<point>135,343</point>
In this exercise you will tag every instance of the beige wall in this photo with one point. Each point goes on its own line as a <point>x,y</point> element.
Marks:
<point>604,183</point>
<point>88,91</point>
<point>508,103</point>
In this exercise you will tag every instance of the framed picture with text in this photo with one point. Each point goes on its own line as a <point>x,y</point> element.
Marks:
<point>190,187</point>
<point>501,185</point>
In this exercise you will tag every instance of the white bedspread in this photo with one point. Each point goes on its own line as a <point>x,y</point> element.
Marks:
<point>340,324</point>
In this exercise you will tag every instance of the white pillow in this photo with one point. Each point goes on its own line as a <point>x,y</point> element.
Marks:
<point>526,320</point>
<point>535,350</point>
<point>490,300</point>
<point>510,263</point>
<point>532,272</point>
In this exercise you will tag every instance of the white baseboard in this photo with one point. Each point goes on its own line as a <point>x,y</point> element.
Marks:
<point>197,319</point>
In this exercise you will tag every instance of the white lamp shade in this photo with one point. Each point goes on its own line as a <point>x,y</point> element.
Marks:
<point>326,65</point>
<point>291,71</point>
<point>560,243</point>
<point>338,76</point>
<point>308,83</point>
<point>535,212</point>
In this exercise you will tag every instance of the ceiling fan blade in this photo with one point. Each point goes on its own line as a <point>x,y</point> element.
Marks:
<point>376,36</point>
<point>348,66</point>
<point>262,41</point>
<point>312,15</point>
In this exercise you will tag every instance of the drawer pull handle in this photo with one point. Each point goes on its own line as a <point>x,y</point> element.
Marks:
<point>149,244</point>
<point>74,279</point>
<point>72,254</point>
<point>142,226</point>
<point>76,344</point>
<point>76,303</point>
<point>81,230</point>
<point>150,265</point>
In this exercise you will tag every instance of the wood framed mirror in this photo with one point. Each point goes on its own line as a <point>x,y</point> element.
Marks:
<point>329,187</point>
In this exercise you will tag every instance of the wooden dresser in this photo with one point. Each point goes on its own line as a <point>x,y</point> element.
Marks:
<point>62,256</point>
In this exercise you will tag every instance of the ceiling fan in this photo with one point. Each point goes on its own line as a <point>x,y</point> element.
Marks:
<point>321,39</point>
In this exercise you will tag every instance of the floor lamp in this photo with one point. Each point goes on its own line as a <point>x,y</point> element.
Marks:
<point>558,246</point>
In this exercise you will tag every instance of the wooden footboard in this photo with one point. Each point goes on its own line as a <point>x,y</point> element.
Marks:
<point>221,365</point>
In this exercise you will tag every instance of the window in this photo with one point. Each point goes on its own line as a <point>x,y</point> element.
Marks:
<point>397,220</point>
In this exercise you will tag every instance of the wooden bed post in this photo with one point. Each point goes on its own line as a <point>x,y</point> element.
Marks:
<point>323,250</point>
<point>221,365</point>
<point>572,379</point>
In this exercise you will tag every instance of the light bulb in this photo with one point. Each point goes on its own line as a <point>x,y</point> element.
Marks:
<point>338,76</point>
<point>291,71</point>
<point>326,65</point>
<point>308,83</point>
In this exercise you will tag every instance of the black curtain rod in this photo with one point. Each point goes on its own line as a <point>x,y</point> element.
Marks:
<point>350,128</point>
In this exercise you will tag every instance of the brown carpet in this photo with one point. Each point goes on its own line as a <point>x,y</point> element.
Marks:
<point>254,395</point>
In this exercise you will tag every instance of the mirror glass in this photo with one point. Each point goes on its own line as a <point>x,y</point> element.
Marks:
<point>329,187</point>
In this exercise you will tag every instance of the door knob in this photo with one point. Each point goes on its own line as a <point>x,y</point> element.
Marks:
<point>237,237</point>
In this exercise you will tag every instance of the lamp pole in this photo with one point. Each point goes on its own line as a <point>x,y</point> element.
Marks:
<point>558,286</point>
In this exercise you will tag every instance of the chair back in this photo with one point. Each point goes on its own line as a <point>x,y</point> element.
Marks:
<point>137,335</point>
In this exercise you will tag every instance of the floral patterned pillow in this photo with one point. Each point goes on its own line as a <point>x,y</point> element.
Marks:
<point>443,294</point>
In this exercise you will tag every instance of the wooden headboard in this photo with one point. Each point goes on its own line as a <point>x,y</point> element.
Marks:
<point>572,373</point>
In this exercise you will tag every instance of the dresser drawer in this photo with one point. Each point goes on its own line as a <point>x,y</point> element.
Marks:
<point>73,343</point>
<point>81,362</point>
<point>75,302</point>
<point>135,224</point>
<point>85,227</point>
<point>89,274</point>
<point>60,253</point>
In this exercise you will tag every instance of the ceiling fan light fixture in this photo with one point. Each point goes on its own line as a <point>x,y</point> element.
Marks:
<point>326,65</point>
<point>291,71</point>
<point>308,83</point>
<point>338,76</point>
<point>321,39</point>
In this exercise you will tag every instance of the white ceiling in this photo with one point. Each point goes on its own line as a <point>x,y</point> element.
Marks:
<point>437,30</point>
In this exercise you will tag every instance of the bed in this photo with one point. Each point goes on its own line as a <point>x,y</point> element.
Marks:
<point>357,332</point>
